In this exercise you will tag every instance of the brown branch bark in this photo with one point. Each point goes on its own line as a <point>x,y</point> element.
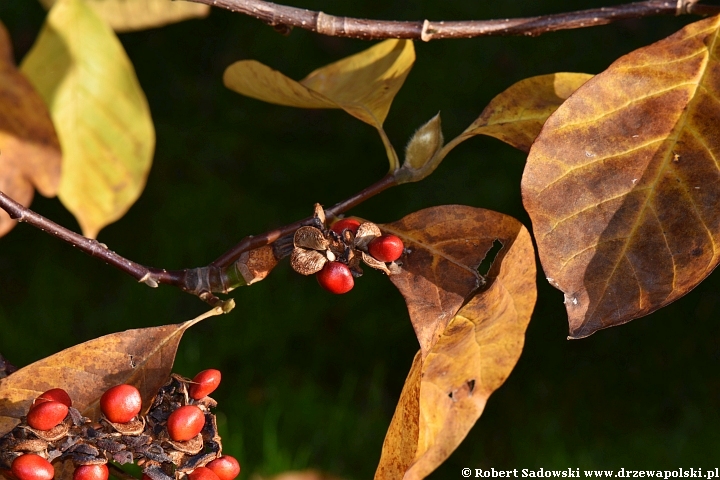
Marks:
<point>283,18</point>
<point>200,282</point>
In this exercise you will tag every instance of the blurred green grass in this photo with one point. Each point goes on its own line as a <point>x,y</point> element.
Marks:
<point>310,379</point>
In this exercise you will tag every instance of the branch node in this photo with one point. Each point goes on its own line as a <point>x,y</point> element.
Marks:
<point>325,24</point>
<point>427,32</point>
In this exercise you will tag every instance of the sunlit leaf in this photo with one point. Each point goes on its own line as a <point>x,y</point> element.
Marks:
<point>129,15</point>
<point>364,84</point>
<point>82,72</point>
<point>515,116</point>
<point>446,245</point>
<point>29,147</point>
<point>622,185</point>
<point>142,357</point>
<point>445,393</point>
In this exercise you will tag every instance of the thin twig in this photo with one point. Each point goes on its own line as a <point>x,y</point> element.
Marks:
<point>283,18</point>
<point>197,281</point>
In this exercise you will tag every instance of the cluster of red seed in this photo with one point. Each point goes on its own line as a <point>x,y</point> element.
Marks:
<point>122,404</point>
<point>336,277</point>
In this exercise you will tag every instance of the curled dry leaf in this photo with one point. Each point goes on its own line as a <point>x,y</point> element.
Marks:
<point>622,183</point>
<point>445,393</point>
<point>130,15</point>
<point>439,274</point>
<point>141,357</point>
<point>100,112</point>
<point>29,148</point>
<point>364,84</point>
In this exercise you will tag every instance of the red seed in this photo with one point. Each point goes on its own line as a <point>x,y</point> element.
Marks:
<point>346,223</point>
<point>121,403</point>
<point>386,248</point>
<point>185,423</point>
<point>91,472</point>
<point>204,383</point>
<point>32,467</point>
<point>225,467</point>
<point>47,415</point>
<point>56,394</point>
<point>203,473</point>
<point>335,277</point>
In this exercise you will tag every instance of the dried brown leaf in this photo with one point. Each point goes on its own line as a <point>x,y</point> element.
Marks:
<point>445,246</point>
<point>141,357</point>
<point>29,147</point>
<point>622,183</point>
<point>446,392</point>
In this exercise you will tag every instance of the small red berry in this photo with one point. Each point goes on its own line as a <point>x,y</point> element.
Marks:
<point>225,467</point>
<point>121,403</point>
<point>47,415</point>
<point>91,472</point>
<point>346,223</point>
<point>185,423</point>
<point>203,473</point>
<point>204,383</point>
<point>32,467</point>
<point>335,277</point>
<point>386,248</point>
<point>56,394</point>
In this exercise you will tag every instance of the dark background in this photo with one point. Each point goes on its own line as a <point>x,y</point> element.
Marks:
<point>311,379</point>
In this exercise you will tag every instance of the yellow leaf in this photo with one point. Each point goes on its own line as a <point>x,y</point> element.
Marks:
<point>82,72</point>
<point>29,147</point>
<point>130,15</point>
<point>622,184</point>
<point>364,84</point>
<point>446,391</point>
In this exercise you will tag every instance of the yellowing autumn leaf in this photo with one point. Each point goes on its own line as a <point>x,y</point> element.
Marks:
<point>447,387</point>
<point>29,147</point>
<point>129,15</point>
<point>622,184</point>
<point>83,74</point>
<point>364,84</point>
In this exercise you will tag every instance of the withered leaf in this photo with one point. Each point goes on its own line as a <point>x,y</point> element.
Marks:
<point>445,393</point>
<point>622,184</point>
<point>29,147</point>
<point>439,274</point>
<point>141,357</point>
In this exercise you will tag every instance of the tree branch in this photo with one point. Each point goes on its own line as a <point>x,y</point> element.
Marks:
<point>283,18</point>
<point>200,282</point>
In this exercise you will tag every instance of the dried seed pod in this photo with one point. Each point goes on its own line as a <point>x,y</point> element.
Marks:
<point>199,460</point>
<point>307,262</point>
<point>133,427</point>
<point>189,447</point>
<point>30,445</point>
<point>366,233</point>
<point>156,473</point>
<point>82,459</point>
<point>54,434</point>
<point>310,237</point>
<point>374,263</point>
<point>319,213</point>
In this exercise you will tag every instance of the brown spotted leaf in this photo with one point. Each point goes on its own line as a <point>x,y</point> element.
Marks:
<point>622,185</point>
<point>29,148</point>
<point>141,357</point>
<point>445,393</point>
<point>439,273</point>
<point>515,116</point>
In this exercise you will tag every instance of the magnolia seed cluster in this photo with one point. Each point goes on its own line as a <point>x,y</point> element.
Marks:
<point>177,438</point>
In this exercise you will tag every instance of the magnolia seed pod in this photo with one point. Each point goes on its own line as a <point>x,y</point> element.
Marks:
<point>367,232</point>
<point>307,262</point>
<point>310,237</point>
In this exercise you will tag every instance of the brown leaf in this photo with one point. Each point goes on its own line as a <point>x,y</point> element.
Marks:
<point>29,148</point>
<point>622,183</point>
<point>472,358</point>
<point>141,357</point>
<point>446,245</point>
